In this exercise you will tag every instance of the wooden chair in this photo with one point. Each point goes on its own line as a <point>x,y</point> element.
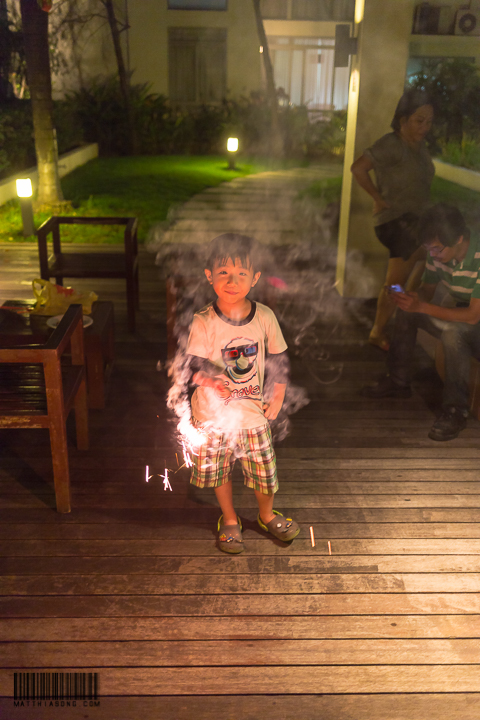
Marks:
<point>94,264</point>
<point>38,390</point>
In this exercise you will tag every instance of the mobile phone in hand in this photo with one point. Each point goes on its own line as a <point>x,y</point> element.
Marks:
<point>396,288</point>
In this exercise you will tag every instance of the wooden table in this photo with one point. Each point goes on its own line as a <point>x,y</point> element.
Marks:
<point>23,328</point>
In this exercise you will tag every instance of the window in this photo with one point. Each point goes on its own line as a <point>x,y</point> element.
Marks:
<point>303,67</point>
<point>197,59</point>
<point>197,4</point>
<point>274,9</point>
<point>317,10</point>
<point>324,10</point>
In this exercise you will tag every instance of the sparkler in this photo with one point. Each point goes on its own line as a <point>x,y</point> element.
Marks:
<point>312,537</point>
<point>147,473</point>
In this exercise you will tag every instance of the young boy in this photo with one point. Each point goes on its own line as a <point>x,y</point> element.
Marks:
<point>228,343</point>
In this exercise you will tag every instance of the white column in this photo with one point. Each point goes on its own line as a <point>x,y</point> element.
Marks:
<point>377,81</point>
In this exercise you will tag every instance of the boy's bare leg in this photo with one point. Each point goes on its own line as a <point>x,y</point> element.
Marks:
<point>265,506</point>
<point>224,494</point>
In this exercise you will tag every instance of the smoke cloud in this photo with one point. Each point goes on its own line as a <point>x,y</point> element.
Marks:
<point>297,257</point>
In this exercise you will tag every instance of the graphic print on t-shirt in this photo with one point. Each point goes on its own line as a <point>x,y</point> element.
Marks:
<point>240,359</point>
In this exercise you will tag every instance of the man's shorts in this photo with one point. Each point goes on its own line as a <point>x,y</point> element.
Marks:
<point>213,462</point>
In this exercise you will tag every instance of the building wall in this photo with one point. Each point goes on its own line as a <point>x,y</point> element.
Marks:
<point>145,44</point>
<point>86,50</point>
<point>148,42</point>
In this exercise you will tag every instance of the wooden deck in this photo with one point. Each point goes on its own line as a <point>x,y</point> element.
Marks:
<point>131,585</point>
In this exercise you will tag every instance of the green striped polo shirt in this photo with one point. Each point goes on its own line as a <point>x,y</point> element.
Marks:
<point>461,279</point>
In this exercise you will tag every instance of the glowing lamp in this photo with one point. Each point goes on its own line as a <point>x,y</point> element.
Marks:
<point>232,147</point>
<point>24,188</point>
<point>24,192</point>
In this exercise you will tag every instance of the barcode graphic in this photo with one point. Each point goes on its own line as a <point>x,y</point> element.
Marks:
<point>55,686</point>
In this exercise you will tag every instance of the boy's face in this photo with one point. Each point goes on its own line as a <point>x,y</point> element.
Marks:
<point>232,281</point>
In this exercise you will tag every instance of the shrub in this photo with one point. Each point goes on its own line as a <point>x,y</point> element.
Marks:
<point>465,153</point>
<point>162,129</point>
<point>453,84</point>
<point>17,146</point>
<point>326,137</point>
<point>96,113</point>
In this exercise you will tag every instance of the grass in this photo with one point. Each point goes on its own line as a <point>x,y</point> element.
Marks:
<point>148,187</point>
<point>144,187</point>
<point>328,190</point>
<point>468,201</point>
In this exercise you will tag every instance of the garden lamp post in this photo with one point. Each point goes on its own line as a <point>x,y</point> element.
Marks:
<point>24,192</point>
<point>232,147</point>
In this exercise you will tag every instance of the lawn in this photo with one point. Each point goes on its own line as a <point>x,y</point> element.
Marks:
<point>145,187</point>
<point>468,201</point>
<point>148,187</point>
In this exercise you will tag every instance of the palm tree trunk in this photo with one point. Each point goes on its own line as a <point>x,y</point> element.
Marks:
<point>122,74</point>
<point>35,38</point>
<point>276,141</point>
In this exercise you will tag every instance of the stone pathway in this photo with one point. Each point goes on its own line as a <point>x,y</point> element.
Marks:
<point>260,205</point>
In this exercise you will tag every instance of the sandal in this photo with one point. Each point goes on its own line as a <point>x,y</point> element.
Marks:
<point>230,537</point>
<point>282,528</point>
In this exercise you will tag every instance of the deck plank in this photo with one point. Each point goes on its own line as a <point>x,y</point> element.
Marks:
<point>131,584</point>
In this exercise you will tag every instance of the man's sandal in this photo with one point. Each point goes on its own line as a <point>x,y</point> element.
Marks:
<point>230,537</point>
<point>282,528</point>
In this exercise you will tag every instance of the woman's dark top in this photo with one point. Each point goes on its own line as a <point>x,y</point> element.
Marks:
<point>403,176</point>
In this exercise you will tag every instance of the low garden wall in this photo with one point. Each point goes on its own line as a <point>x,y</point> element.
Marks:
<point>66,163</point>
<point>461,176</point>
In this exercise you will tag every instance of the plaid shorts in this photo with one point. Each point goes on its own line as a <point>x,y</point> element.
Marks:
<point>213,465</point>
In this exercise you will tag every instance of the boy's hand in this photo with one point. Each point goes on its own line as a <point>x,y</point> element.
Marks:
<point>221,388</point>
<point>219,384</point>
<point>273,407</point>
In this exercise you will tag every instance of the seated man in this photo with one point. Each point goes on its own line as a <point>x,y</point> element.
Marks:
<point>454,260</point>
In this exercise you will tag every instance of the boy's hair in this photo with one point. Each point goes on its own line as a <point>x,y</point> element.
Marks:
<point>444,222</point>
<point>231,246</point>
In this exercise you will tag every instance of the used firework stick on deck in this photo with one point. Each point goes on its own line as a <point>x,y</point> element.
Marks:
<point>312,537</point>
<point>329,548</point>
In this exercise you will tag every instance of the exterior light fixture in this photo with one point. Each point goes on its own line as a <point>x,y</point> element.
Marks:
<point>24,192</point>
<point>260,49</point>
<point>232,147</point>
<point>344,46</point>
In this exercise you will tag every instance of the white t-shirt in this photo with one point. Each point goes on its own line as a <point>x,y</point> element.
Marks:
<point>238,349</point>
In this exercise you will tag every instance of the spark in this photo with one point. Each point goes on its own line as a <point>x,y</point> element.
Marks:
<point>192,436</point>
<point>312,537</point>
<point>166,481</point>
<point>186,456</point>
<point>329,548</point>
<point>147,473</point>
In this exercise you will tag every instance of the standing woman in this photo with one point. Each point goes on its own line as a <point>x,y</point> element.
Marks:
<point>403,174</point>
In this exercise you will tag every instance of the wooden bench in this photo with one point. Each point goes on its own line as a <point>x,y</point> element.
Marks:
<point>38,390</point>
<point>92,265</point>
